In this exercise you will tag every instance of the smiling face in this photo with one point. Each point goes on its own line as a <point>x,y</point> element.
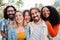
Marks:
<point>46,12</point>
<point>27,17</point>
<point>35,15</point>
<point>10,12</point>
<point>19,17</point>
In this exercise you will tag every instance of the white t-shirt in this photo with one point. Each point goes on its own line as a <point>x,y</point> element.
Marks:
<point>40,29</point>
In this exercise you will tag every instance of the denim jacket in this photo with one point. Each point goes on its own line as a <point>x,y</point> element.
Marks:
<point>12,33</point>
<point>3,26</point>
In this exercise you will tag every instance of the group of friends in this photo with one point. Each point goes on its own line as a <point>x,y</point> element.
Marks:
<point>33,24</point>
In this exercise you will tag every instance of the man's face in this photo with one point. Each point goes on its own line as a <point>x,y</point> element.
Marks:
<point>35,15</point>
<point>10,13</point>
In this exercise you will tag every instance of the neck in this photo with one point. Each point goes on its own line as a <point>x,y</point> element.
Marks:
<point>11,19</point>
<point>20,24</point>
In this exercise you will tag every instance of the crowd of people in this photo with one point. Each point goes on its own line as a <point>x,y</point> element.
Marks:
<point>32,24</point>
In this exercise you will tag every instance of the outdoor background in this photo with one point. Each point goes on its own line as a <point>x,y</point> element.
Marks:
<point>27,4</point>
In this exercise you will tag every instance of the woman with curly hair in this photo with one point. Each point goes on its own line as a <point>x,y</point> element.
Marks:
<point>51,17</point>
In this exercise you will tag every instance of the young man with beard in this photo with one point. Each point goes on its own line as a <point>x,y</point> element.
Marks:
<point>37,29</point>
<point>9,12</point>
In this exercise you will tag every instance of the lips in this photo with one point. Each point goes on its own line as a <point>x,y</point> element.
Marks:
<point>11,14</point>
<point>35,16</point>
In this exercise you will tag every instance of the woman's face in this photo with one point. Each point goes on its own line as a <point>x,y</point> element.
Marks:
<point>27,17</point>
<point>46,12</point>
<point>19,17</point>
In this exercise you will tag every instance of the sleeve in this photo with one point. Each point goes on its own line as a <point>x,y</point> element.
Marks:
<point>27,32</point>
<point>53,30</point>
<point>9,34</point>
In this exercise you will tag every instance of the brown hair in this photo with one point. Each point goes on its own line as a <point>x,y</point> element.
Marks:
<point>35,9</point>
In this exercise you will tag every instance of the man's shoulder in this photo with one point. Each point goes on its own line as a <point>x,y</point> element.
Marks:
<point>43,22</point>
<point>30,23</point>
<point>3,21</point>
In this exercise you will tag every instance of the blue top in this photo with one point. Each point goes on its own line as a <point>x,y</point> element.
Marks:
<point>12,33</point>
<point>3,26</point>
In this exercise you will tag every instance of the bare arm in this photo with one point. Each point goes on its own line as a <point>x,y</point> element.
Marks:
<point>4,34</point>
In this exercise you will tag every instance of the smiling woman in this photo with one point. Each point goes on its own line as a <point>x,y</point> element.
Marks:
<point>51,17</point>
<point>17,29</point>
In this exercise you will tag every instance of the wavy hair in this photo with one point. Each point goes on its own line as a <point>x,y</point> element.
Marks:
<point>54,15</point>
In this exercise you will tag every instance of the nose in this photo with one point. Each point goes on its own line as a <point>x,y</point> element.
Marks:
<point>26,16</point>
<point>46,12</point>
<point>35,14</point>
<point>10,12</point>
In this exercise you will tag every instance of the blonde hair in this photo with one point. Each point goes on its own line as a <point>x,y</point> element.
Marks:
<point>15,23</point>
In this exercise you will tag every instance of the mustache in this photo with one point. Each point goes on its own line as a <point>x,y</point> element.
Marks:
<point>11,14</point>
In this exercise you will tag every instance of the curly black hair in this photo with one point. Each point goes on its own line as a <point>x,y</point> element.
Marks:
<point>28,12</point>
<point>5,11</point>
<point>54,15</point>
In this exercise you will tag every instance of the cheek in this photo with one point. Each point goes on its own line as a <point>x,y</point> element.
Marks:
<point>16,18</point>
<point>21,18</point>
<point>27,17</point>
<point>38,14</point>
<point>43,14</point>
<point>32,16</point>
<point>49,13</point>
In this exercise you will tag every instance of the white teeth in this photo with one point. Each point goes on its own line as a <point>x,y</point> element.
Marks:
<point>36,17</point>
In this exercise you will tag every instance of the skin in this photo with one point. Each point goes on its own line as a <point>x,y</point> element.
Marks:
<point>27,17</point>
<point>19,17</point>
<point>53,31</point>
<point>19,20</point>
<point>10,12</point>
<point>36,16</point>
<point>46,12</point>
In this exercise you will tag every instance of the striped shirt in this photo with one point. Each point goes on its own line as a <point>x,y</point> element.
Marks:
<point>38,32</point>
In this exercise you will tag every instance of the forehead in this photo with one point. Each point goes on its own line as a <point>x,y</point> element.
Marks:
<point>34,10</point>
<point>18,13</point>
<point>26,13</point>
<point>45,8</point>
<point>10,8</point>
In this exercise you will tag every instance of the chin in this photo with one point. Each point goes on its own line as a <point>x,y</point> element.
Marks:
<point>36,20</point>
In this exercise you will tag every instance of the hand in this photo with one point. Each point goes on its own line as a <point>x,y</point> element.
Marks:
<point>4,34</point>
<point>47,22</point>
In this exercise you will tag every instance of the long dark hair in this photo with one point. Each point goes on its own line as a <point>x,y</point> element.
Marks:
<point>5,11</point>
<point>54,15</point>
<point>29,14</point>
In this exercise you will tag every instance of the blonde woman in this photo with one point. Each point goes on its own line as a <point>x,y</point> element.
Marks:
<point>17,30</point>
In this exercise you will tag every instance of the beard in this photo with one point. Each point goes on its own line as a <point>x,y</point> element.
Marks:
<point>36,18</point>
<point>11,16</point>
